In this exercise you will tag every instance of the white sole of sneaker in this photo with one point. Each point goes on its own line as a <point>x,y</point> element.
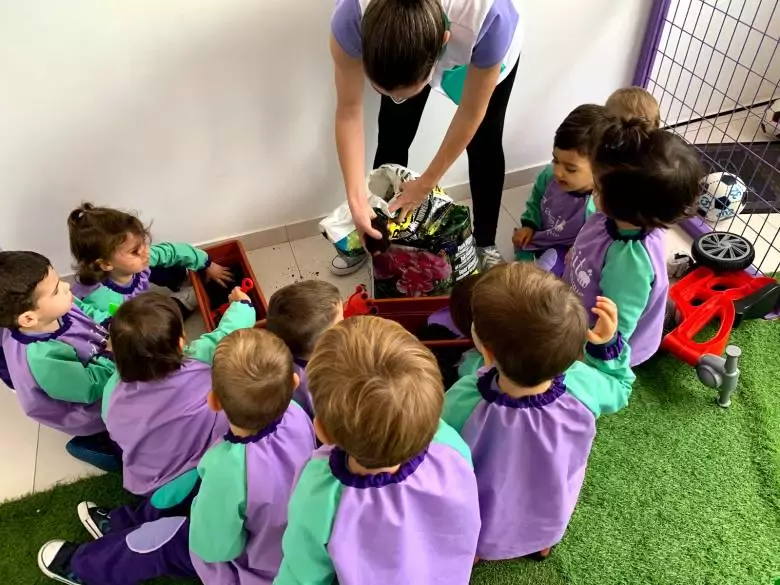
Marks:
<point>86,520</point>
<point>346,271</point>
<point>46,555</point>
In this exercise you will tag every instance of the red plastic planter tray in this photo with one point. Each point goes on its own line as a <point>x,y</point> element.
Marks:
<point>414,313</point>
<point>232,256</point>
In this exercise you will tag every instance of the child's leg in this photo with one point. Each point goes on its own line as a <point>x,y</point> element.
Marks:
<point>101,521</point>
<point>98,450</point>
<point>154,549</point>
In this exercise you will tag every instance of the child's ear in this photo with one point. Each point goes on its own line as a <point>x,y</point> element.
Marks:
<point>487,355</point>
<point>104,266</point>
<point>182,343</point>
<point>27,319</point>
<point>321,433</point>
<point>296,381</point>
<point>213,401</point>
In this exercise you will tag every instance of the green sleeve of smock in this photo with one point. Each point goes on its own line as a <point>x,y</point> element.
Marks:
<point>446,435</point>
<point>100,301</point>
<point>91,311</point>
<point>460,401</point>
<point>471,361</point>
<point>167,254</point>
<point>217,533</point>
<point>61,375</point>
<point>311,514</point>
<point>107,392</point>
<point>239,315</point>
<point>627,279</point>
<point>603,381</point>
<point>590,207</point>
<point>532,217</point>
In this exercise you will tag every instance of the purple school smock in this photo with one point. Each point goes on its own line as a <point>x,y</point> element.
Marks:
<point>418,526</point>
<point>530,453</point>
<point>163,427</point>
<point>89,341</point>
<point>562,216</point>
<point>443,318</point>
<point>273,460</point>
<point>237,519</point>
<point>631,270</point>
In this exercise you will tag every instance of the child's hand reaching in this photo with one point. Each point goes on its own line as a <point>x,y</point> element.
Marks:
<point>219,274</point>
<point>238,295</point>
<point>607,324</point>
<point>522,237</point>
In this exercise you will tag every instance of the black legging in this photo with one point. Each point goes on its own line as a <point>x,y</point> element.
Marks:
<point>398,125</point>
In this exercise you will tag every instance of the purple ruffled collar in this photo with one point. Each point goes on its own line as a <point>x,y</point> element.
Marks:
<point>65,323</point>
<point>301,362</point>
<point>126,289</point>
<point>339,468</point>
<point>487,384</point>
<point>268,430</point>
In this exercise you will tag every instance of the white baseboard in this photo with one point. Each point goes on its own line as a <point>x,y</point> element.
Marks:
<point>307,228</point>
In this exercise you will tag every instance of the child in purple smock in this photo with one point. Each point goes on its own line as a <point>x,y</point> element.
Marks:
<point>558,206</point>
<point>234,535</point>
<point>114,261</point>
<point>391,497</point>
<point>155,405</point>
<point>529,417</point>
<point>645,180</point>
<point>454,322</point>
<point>56,355</point>
<point>299,313</point>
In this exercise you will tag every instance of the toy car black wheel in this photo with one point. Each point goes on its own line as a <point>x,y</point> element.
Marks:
<point>723,251</point>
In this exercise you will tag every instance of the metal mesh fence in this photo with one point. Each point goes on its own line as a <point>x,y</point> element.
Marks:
<point>714,67</point>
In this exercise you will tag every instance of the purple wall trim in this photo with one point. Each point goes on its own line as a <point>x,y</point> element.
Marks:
<point>655,27</point>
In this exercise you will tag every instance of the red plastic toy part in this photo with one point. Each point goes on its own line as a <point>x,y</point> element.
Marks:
<point>700,298</point>
<point>246,285</point>
<point>359,303</point>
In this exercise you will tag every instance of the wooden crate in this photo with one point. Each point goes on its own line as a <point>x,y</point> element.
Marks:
<point>231,255</point>
<point>413,314</point>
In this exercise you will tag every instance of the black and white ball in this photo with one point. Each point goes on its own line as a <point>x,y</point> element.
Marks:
<point>723,196</point>
<point>770,122</point>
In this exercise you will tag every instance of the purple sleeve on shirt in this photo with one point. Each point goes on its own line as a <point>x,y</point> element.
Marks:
<point>345,26</point>
<point>496,34</point>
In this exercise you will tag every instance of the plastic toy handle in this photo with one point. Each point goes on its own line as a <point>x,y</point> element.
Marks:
<point>246,285</point>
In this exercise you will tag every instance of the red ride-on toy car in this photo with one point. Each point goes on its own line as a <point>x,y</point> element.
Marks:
<point>719,290</point>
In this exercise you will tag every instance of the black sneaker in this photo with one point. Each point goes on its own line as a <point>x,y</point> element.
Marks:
<point>54,561</point>
<point>98,450</point>
<point>94,519</point>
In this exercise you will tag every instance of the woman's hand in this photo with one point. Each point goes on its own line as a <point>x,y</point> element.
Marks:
<point>219,274</point>
<point>412,194</point>
<point>606,326</point>
<point>362,214</point>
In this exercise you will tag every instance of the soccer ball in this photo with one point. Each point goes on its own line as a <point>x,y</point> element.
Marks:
<point>770,123</point>
<point>723,196</point>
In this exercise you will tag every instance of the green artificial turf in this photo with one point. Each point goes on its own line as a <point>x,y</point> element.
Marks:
<point>678,490</point>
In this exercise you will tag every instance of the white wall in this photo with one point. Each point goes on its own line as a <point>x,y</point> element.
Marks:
<point>729,44</point>
<point>214,117</point>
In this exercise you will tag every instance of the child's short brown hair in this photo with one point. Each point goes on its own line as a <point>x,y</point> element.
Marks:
<point>95,233</point>
<point>300,312</point>
<point>252,378</point>
<point>532,322</point>
<point>460,303</point>
<point>20,275</point>
<point>146,334</point>
<point>629,103</point>
<point>377,390</point>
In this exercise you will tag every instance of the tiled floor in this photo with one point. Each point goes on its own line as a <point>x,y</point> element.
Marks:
<point>33,457</point>
<point>741,126</point>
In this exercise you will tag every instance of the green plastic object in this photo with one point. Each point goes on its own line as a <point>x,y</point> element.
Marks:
<point>112,309</point>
